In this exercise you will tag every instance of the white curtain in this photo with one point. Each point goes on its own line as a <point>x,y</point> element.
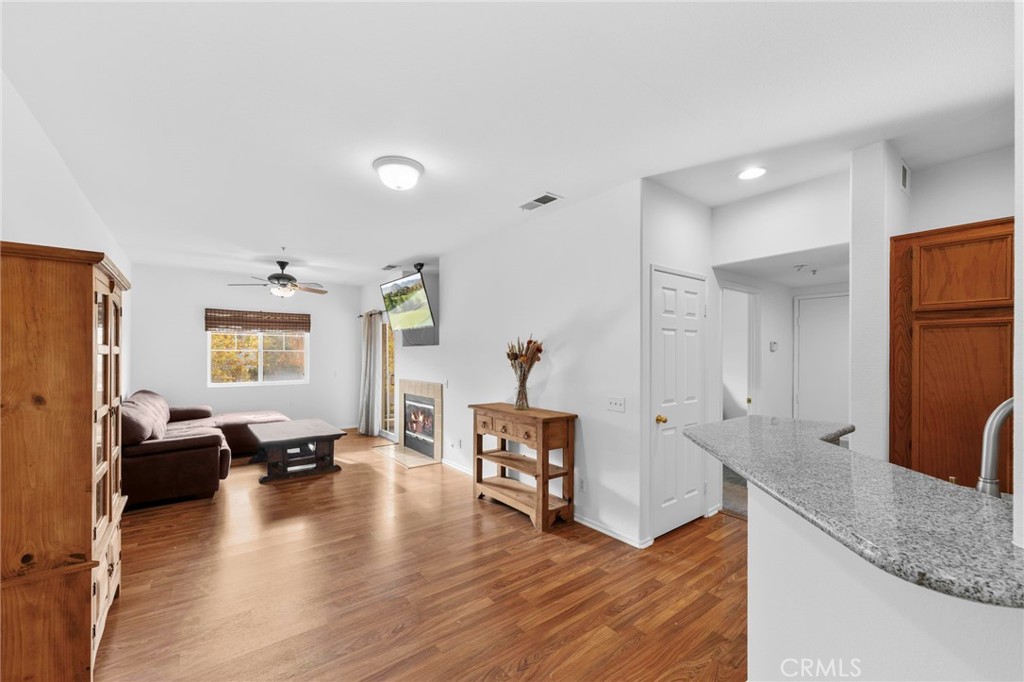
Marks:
<point>369,385</point>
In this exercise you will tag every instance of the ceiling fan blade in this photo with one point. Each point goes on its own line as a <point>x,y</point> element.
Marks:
<point>314,285</point>
<point>248,285</point>
<point>262,279</point>
<point>311,290</point>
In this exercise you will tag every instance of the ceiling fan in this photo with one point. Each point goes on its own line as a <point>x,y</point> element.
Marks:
<point>284,285</point>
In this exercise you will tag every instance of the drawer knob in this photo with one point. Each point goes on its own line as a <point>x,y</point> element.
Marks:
<point>504,429</point>
<point>526,434</point>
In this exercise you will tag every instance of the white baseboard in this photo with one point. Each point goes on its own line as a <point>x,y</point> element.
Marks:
<point>601,528</point>
<point>458,467</point>
<point>714,510</point>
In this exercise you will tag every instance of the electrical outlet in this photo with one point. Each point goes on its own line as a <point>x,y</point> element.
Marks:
<point>617,403</point>
<point>458,444</point>
<point>582,484</point>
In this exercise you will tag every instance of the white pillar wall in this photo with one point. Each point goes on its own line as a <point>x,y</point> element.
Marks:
<point>878,208</point>
<point>1018,368</point>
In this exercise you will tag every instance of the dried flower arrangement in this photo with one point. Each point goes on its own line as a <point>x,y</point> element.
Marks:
<point>523,356</point>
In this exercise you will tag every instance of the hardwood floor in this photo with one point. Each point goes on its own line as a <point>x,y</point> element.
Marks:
<point>386,573</point>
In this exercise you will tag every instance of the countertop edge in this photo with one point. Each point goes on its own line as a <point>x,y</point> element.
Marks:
<point>897,563</point>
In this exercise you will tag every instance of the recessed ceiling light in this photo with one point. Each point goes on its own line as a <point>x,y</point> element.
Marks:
<point>398,172</point>
<point>751,173</point>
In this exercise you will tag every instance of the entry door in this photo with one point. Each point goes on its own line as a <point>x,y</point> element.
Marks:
<point>678,310</point>
<point>822,379</point>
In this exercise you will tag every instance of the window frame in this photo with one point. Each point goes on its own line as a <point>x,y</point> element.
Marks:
<point>259,361</point>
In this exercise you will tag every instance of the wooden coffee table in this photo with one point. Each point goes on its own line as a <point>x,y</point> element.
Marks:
<point>295,449</point>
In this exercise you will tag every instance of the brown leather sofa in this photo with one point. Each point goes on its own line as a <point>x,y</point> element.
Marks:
<point>174,452</point>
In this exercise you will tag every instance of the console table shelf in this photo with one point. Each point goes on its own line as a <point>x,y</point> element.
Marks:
<point>540,430</point>
<point>523,463</point>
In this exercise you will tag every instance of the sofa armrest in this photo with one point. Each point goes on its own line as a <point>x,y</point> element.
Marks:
<point>180,414</point>
<point>165,445</point>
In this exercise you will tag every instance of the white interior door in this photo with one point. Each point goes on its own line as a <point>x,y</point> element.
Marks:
<point>678,310</point>
<point>822,382</point>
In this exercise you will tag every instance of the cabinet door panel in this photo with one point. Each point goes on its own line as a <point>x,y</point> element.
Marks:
<point>959,375</point>
<point>956,274</point>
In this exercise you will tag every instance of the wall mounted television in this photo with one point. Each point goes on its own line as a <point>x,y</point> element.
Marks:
<point>406,303</point>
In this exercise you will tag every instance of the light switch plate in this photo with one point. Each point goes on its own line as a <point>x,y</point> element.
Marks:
<point>617,403</point>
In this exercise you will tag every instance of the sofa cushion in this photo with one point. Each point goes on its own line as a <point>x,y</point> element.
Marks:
<point>136,423</point>
<point>235,426</point>
<point>158,407</point>
<point>180,414</point>
<point>211,438</point>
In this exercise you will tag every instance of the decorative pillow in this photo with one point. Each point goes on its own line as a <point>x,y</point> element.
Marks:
<point>136,423</point>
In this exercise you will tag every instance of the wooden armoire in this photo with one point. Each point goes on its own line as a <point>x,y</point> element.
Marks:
<point>951,348</point>
<point>60,462</point>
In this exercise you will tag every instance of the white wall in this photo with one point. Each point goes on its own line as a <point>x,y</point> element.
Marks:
<point>170,344</point>
<point>967,190</point>
<point>568,277</point>
<point>1018,303</point>
<point>677,234</point>
<point>42,202</point>
<point>830,604</point>
<point>879,208</point>
<point>805,216</point>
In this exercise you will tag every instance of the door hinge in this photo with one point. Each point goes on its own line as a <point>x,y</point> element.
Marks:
<point>94,632</point>
<point>94,533</point>
<point>705,310</point>
<point>94,588</point>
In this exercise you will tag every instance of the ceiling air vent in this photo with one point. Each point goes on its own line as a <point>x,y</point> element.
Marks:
<point>542,200</point>
<point>389,267</point>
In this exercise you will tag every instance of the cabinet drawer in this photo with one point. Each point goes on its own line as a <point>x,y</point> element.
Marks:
<point>525,433</point>
<point>484,424</point>
<point>504,428</point>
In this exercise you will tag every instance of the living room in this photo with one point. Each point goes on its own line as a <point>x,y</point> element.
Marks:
<point>206,152</point>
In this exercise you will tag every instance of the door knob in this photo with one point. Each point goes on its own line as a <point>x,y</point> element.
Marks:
<point>661,419</point>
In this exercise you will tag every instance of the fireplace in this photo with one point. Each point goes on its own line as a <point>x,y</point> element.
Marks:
<point>419,423</point>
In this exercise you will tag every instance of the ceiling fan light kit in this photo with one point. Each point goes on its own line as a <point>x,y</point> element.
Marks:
<point>398,172</point>
<point>284,285</point>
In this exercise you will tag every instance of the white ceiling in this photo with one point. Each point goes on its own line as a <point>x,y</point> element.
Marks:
<point>823,265</point>
<point>209,134</point>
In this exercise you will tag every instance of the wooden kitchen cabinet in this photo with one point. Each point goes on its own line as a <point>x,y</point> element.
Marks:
<point>951,348</point>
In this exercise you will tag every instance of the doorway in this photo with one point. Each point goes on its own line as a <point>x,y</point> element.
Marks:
<point>821,363</point>
<point>740,362</point>
<point>678,322</point>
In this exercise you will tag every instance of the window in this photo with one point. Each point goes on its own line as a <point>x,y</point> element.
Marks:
<point>256,348</point>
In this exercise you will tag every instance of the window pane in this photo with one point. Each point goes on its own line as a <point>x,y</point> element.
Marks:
<point>273,342</point>
<point>249,341</point>
<point>283,366</point>
<point>296,342</point>
<point>222,341</point>
<point>233,366</point>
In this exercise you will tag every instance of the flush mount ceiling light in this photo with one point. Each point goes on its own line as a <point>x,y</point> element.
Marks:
<point>398,172</point>
<point>751,173</point>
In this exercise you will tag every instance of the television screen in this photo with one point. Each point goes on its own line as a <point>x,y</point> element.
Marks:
<point>405,301</point>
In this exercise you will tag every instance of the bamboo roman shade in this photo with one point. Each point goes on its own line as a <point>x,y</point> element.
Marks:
<point>241,321</point>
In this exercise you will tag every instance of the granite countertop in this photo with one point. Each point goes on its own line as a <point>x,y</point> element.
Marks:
<point>945,537</point>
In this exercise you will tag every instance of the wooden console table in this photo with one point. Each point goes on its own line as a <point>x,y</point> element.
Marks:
<point>540,430</point>
<point>293,449</point>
